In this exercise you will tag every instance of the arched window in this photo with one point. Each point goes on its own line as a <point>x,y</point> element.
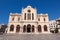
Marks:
<point>28,28</point>
<point>18,28</point>
<point>39,28</point>
<point>38,19</point>
<point>13,19</point>
<point>32,28</point>
<point>24,28</point>
<point>45,27</point>
<point>18,18</point>
<point>29,16</point>
<point>44,19</point>
<point>12,28</point>
<point>25,16</point>
<point>32,16</point>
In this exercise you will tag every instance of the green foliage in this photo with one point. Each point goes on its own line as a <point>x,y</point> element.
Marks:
<point>2,29</point>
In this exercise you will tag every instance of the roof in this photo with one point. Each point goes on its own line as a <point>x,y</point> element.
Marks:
<point>14,14</point>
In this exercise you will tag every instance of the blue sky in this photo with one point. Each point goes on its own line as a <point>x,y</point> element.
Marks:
<point>52,7</point>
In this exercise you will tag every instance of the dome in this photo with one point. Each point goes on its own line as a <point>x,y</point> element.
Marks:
<point>29,6</point>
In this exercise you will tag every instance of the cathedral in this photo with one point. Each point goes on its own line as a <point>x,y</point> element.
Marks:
<point>28,22</point>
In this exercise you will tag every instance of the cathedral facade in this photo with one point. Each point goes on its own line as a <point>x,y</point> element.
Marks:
<point>28,21</point>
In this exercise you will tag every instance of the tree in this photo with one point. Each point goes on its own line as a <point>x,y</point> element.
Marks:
<point>2,29</point>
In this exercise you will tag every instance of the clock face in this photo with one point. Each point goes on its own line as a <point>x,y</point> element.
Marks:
<point>29,10</point>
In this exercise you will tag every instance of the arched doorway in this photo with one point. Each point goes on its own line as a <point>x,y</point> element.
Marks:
<point>28,28</point>
<point>45,27</point>
<point>39,28</point>
<point>33,28</point>
<point>12,28</point>
<point>17,28</point>
<point>24,28</point>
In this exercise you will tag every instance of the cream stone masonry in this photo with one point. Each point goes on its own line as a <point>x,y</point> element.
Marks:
<point>28,21</point>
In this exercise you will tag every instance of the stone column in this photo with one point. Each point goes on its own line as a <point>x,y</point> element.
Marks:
<point>42,27</point>
<point>21,29</point>
<point>14,28</point>
<point>35,28</point>
<point>8,29</point>
<point>48,29</point>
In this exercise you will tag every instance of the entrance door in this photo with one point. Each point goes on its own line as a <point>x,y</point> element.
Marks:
<point>29,28</point>
<point>18,28</point>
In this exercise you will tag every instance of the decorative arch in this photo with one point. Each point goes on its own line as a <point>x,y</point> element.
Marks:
<point>24,28</point>
<point>33,28</point>
<point>28,28</point>
<point>12,28</point>
<point>45,27</point>
<point>18,28</point>
<point>29,16</point>
<point>39,28</point>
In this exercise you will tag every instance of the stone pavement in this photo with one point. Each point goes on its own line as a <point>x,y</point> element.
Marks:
<point>30,37</point>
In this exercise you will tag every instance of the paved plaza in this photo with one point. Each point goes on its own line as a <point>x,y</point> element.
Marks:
<point>30,37</point>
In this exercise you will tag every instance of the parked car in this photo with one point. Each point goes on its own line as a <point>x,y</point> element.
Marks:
<point>54,30</point>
